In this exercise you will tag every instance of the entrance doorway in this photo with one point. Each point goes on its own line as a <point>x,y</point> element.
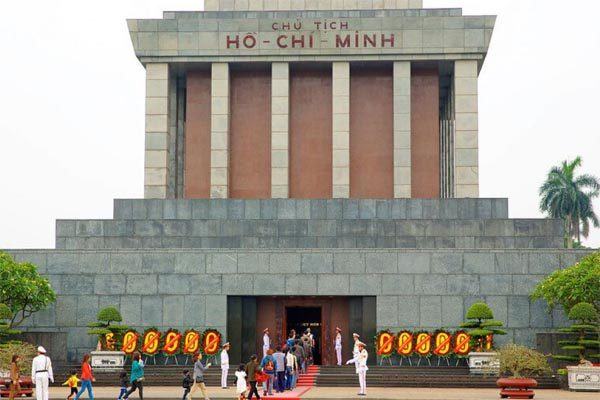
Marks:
<point>301,318</point>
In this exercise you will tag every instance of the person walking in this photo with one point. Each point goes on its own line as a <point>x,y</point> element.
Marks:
<point>266,342</point>
<point>199,369</point>
<point>72,382</point>
<point>240,382</point>
<point>280,370</point>
<point>15,377</point>
<point>252,369</point>
<point>269,366</point>
<point>124,383</point>
<point>186,383</point>
<point>299,353</point>
<point>87,377</point>
<point>137,376</point>
<point>361,367</point>
<point>225,364</point>
<point>338,345</point>
<point>291,339</point>
<point>291,369</point>
<point>41,373</point>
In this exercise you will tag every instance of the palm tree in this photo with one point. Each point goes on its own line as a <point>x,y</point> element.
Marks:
<point>569,197</point>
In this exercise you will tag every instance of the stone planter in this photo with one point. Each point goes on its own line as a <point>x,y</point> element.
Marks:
<point>484,363</point>
<point>584,378</point>
<point>107,361</point>
<point>516,388</point>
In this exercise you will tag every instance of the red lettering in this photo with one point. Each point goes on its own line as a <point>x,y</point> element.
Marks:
<point>280,42</point>
<point>299,41</point>
<point>339,42</point>
<point>372,40</point>
<point>249,41</point>
<point>356,39</point>
<point>235,41</point>
<point>390,40</point>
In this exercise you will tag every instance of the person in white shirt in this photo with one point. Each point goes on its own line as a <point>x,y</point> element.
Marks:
<point>225,364</point>
<point>361,367</point>
<point>266,342</point>
<point>41,374</point>
<point>338,345</point>
<point>355,350</point>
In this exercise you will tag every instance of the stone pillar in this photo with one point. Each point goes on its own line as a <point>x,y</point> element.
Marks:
<point>341,129</point>
<point>466,164</point>
<point>402,155</point>
<point>280,88</point>
<point>219,131</point>
<point>156,167</point>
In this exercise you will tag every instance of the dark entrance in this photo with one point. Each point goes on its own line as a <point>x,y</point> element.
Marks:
<point>301,318</point>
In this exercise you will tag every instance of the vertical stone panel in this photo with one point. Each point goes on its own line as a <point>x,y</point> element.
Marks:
<point>280,84</point>
<point>219,134</point>
<point>310,132</point>
<point>466,162</point>
<point>425,133</point>
<point>341,129</point>
<point>250,147</point>
<point>402,157</point>
<point>156,167</point>
<point>197,135</point>
<point>371,132</point>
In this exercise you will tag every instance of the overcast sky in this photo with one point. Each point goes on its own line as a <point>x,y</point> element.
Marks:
<point>72,105</point>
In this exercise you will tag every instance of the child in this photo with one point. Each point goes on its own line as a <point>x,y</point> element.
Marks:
<point>72,382</point>
<point>241,385</point>
<point>187,383</point>
<point>124,384</point>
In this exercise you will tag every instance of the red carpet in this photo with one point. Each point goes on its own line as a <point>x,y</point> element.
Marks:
<point>308,379</point>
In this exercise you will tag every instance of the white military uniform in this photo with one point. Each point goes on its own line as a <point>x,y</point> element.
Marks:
<point>338,348</point>
<point>41,374</point>
<point>361,369</point>
<point>224,367</point>
<point>266,344</point>
<point>355,352</point>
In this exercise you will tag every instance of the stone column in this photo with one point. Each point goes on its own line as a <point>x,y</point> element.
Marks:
<point>156,167</point>
<point>219,131</point>
<point>402,154</point>
<point>341,129</point>
<point>280,88</point>
<point>466,165</point>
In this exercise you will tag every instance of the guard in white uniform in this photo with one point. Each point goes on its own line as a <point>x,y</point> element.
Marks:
<point>224,364</point>
<point>266,342</point>
<point>361,367</point>
<point>355,349</point>
<point>41,374</point>
<point>338,345</point>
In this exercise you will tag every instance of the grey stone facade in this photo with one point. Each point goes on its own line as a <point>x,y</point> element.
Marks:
<point>178,287</point>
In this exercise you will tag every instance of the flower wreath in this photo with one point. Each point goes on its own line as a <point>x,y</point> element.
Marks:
<point>211,342</point>
<point>405,343</point>
<point>384,343</point>
<point>171,343</point>
<point>151,341</point>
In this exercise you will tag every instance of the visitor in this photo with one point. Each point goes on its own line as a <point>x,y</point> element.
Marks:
<point>291,339</point>
<point>299,353</point>
<point>280,370</point>
<point>137,376</point>
<point>252,371</point>
<point>187,383</point>
<point>87,377</point>
<point>361,367</point>
<point>269,366</point>
<point>225,364</point>
<point>266,342</point>
<point>199,369</point>
<point>124,382</point>
<point>306,346</point>
<point>338,345</point>
<point>15,377</point>
<point>291,369</point>
<point>72,382</point>
<point>41,373</point>
<point>240,382</point>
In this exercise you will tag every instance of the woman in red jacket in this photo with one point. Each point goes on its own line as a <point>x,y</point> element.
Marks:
<point>87,377</point>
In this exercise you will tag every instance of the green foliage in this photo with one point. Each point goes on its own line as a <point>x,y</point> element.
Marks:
<point>5,330</point>
<point>22,289</point>
<point>576,284</point>
<point>584,343</point>
<point>522,362</point>
<point>569,197</point>
<point>481,324</point>
<point>25,350</point>
<point>106,325</point>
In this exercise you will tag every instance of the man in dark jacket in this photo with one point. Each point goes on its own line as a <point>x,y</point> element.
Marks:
<point>252,368</point>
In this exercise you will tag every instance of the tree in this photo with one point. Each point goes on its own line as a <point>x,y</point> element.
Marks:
<point>481,325</point>
<point>576,284</point>
<point>522,362</point>
<point>585,335</point>
<point>5,329</point>
<point>569,197</point>
<point>106,326</point>
<point>22,289</point>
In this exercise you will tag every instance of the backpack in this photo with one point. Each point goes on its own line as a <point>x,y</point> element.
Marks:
<point>269,366</point>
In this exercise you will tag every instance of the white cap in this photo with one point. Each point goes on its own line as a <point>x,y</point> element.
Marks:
<point>42,350</point>
<point>226,344</point>
<point>361,344</point>
<point>356,335</point>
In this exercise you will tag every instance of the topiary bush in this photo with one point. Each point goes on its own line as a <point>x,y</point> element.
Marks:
<point>522,362</point>
<point>584,343</point>
<point>25,350</point>
<point>481,325</point>
<point>107,328</point>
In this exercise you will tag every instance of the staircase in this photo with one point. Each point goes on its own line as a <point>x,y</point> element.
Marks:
<point>310,378</point>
